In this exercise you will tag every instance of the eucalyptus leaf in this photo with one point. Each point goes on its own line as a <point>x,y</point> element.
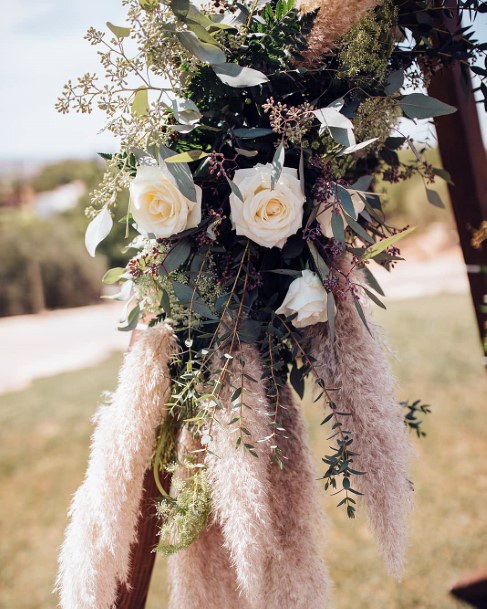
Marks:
<point>372,281</point>
<point>358,229</point>
<point>183,292</point>
<point>207,53</point>
<point>361,314</point>
<point>187,157</point>
<point>277,165</point>
<point>180,8</point>
<point>247,153</point>
<point>377,248</point>
<point>186,111</point>
<point>394,82</point>
<point>238,76</point>
<point>252,132</point>
<point>374,298</point>
<point>346,200</point>
<point>113,275</point>
<point>443,174</point>
<point>202,33</point>
<point>132,320</point>
<point>176,257</point>
<point>181,173</point>
<point>356,147</point>
<point>434,198</point>
<point>140,104</point>
<point>98,229</point>
<point>331,312</point>
<point>235,189</point>
<point>344,137</point>
<point>119,31</point>
<point>337,227</point>
<point>419,105</point>
<point>318,261</point>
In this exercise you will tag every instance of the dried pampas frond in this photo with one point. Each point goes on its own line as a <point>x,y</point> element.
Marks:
<point>357,363</point>
<point>296,576</point>
<point>95,555</point>
<point>239,479</point>
<point>202,575</point>
<point>334,19</point>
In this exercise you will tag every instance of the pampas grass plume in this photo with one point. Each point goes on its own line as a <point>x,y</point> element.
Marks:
<point>95,555</point>
<point>358,364</point>
<point>334,19</point>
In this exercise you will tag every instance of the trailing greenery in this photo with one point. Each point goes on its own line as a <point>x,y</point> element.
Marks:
<point>242,95</point>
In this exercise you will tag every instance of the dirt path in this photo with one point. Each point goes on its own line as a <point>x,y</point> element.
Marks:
<point>34,346</point>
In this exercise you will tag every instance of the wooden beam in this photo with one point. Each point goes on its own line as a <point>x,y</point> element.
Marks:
<point>134,595</point>
<point>463,156</point>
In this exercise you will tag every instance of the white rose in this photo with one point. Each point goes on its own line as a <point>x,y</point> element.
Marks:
<point>307,297</point>
<point>324,216</point>
<point>267,216</point>
<point>158,206</point>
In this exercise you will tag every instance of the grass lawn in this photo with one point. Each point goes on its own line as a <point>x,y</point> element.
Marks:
<point>44,438</point>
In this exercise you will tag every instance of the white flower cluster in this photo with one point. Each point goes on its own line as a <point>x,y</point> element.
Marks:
<point>265,214</point>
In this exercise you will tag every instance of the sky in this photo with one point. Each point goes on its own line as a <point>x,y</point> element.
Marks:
<point>41,48</point>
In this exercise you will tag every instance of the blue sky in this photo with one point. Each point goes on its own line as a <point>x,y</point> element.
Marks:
<point>42,46</point>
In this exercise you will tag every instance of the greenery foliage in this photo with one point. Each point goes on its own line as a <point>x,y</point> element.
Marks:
<point>241,92</point>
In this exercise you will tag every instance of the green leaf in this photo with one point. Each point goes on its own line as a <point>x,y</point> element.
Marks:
<point>356,147</point>
<point>337,227</point>
<point>237,76</point>
<point>120,32</point>
<point>140,105</point>
<point>277,165</point>
<point>434,198</point>
<point>346,201</point>
<point>394,82</point>
<point>180,8</point>
<point>206,53</point>
<point>361,314</point>
<point>419,105</point>
<point>186,111</point>
<point>319,263</point>
<point>113,275</point>
<point>98,229</point>
<point>358,229</point>
<point>166,303</point>
<point>132,320</point>
<point>247,153</point>
<point>181,173</point>
<point>331,310</point>
<point>235,189</point>
<point>187,157</point>
<point>202,33</point>
<point>443,174</point>
<point>379,247</point>
<point>183,292</point>
<point>374,298</point>
<point>252,133</point>
<point>372,281</point>
<point>176,257</point>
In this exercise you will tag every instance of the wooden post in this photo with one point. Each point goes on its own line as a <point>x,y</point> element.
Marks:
<point>133,595</point>
<point>463,156</point>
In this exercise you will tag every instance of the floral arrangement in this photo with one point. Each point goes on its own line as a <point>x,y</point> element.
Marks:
<point>251,135</point>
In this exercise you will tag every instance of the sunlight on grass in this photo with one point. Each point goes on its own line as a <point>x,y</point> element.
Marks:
<point>44,438</point>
